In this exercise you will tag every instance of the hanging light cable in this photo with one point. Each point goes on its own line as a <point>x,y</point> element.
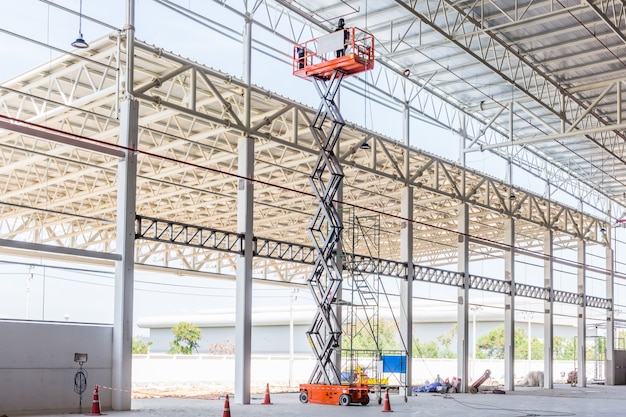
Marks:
<point>80,42</point>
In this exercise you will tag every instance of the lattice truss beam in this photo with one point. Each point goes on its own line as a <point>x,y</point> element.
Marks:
<point>167,232</point>
<point>548,101</point>
<point>432,91</point>
<point>386,85</point>
<point>190,120</point>
<point>559,96</point>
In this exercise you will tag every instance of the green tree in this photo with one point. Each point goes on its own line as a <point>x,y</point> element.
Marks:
<point>536,349</point>
<point>446,340</point>
<point>363,338</point>
<point>596,350</point>
<point>428,349</point>
<point>491,345</point>
<point>140,347</point>
<point>564,349</point>
<point>186,336</point>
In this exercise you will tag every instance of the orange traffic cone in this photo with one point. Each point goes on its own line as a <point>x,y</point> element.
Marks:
<point>266,400</point>
<point>226,408</point>
<point>386,405</point>
<point>95,404</point>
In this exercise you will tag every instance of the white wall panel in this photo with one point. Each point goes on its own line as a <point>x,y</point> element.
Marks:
<point>37,366</point>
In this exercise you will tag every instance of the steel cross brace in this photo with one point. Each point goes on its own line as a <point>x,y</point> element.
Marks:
<point>324,334</point>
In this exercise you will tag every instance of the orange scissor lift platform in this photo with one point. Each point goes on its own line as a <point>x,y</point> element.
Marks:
<point>335,394</point>
<point>350,51</point>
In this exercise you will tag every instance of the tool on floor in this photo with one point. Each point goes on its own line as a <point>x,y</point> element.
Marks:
<point>474,388</point>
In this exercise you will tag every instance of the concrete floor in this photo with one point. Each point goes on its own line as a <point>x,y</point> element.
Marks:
<point>562,401</point>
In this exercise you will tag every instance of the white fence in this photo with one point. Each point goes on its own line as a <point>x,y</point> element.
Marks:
<point>279,370</point>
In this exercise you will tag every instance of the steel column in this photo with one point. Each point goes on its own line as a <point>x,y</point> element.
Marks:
<point>121,377</point>
<point>406,255</point>
<point>243,293</point>
<point>582,314</point>
<point>609,373</point>
<point>463,298</point>
<point>245,207</point>
<point>130,49</point>
<point>548,316</point>
<point>406,286</point>
<point>125,269</point>
<point>509,307</point>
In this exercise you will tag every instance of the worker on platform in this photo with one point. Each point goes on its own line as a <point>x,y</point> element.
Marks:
<point>346,36</point>
<point>300,56</point>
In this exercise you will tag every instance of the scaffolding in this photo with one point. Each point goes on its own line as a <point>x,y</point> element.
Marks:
<point>362,309</point>
<point>380,368</point>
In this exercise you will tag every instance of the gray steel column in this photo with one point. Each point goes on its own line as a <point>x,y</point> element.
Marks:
<point>243,302</point>
<point>582,315</point>
<point>124,269</point>
<point>509,306</point>
<point>406,255</point>
<point>463,299</point>
<point>247,68</point>
<point>609,372</point>
<point>406,287</point>
<point>463,351</point>
<point>463,139</point>
<point>548,316</point>
<point>245,198</point>
<point>121,372</point>
<point>406,129</point>
<point>129,27</point>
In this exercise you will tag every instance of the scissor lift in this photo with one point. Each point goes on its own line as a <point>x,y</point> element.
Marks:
<point>326,61</point>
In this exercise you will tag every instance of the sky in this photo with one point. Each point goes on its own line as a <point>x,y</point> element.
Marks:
<point>85,294</point>
<point>40,289</point>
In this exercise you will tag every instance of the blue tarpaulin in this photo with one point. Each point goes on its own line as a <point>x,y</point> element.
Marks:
<point>428,388</point>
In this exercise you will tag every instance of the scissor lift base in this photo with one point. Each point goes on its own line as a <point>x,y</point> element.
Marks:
<point>334,394</point>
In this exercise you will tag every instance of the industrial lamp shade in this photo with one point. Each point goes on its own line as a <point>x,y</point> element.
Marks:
<point>80,43</point>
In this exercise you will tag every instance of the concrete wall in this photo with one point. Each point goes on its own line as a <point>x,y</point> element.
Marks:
<point>217,370</point>
<point>37,366</point>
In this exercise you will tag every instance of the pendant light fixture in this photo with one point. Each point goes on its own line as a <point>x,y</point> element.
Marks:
<point>80,42</point>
